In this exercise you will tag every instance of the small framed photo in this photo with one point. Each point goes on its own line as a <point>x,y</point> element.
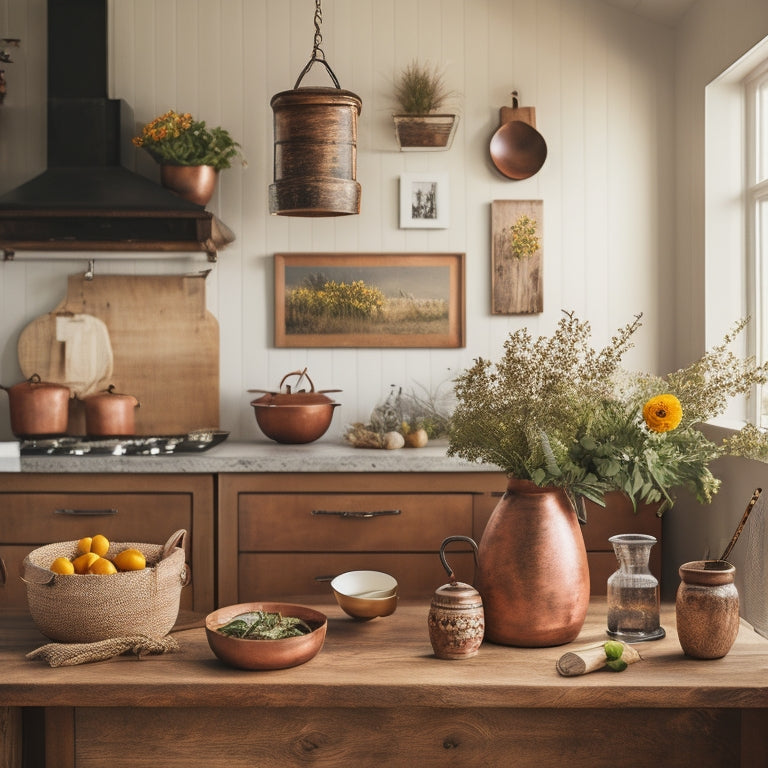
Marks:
<point>424,201</point>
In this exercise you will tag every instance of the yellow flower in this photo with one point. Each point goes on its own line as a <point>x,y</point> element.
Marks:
<point>663,413</point>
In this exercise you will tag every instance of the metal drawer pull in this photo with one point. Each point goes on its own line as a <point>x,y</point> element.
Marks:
<point>85,512</point>
<point>346,513</point>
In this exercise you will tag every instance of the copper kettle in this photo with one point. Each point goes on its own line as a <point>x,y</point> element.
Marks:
<point>456,619</point>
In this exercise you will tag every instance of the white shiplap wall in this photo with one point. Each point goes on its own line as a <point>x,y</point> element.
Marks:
<point>600,78</point>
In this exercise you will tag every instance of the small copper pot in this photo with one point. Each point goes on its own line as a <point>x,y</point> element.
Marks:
<point>38,408</point>
<point>110,414</point>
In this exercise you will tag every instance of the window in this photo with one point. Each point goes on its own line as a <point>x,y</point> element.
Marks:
<point>756,209</point>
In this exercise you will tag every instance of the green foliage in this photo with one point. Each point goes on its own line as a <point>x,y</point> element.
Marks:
<point>560,413</point>
<point>181,140</point>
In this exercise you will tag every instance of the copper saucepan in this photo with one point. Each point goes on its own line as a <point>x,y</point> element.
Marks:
<point>38,408</point>
<point>110,414</point>
<point>289,416</point>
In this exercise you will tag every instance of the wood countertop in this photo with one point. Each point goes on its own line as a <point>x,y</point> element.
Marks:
<point>388,663</point>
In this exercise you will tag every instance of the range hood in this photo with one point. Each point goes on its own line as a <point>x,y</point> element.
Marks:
<point>86,200</point>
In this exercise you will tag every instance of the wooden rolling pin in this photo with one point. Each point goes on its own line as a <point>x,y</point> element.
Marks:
<point>591,659</point>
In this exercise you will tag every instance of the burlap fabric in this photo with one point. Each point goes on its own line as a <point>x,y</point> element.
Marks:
<point>86,608</point>
<point>71,654</point>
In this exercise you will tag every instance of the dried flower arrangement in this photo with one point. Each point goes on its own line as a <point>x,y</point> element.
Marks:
<point>560,413</point>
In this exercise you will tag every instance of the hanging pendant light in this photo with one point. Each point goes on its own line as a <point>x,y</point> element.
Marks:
<point>315,129</point>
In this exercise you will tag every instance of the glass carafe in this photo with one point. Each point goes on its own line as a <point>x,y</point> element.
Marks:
<point>633,591</point>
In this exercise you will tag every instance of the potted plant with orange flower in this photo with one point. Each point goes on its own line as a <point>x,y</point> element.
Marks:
<point>190,154</point>
<point>566,424</point>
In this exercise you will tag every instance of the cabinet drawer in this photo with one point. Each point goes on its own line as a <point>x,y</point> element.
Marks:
<point>268,576</point>
<point>25,518</point>
<point>318,522</point>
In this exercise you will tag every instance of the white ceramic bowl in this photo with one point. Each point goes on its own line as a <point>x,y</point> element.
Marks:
<point>365,594</point>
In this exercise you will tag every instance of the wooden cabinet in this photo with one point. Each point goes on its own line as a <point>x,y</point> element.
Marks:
<point>287,536</point>
<point>38,509</point>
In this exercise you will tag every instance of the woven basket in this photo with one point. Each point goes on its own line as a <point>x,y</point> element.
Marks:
<point>85,608</point>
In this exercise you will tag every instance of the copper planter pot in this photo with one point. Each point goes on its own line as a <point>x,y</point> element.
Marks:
<point>195,183</point>
<point>532,569</point>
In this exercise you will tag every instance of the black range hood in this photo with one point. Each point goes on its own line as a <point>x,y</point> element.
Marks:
<point>85,200</point>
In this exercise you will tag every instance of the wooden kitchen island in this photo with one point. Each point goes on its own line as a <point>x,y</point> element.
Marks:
<point>376,696</point>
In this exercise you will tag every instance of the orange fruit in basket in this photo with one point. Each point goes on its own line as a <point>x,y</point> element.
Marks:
<point>62,565</point>
<point>84,561</point>
<point>84,545</point>
<point>102,566</point>
<point>100,545</point>
<point>130,560</point>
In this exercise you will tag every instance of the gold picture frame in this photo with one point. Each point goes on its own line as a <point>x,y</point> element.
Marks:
<point>370,300</point>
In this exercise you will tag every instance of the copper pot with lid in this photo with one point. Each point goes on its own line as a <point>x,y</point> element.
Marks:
<point>110,414</point>
<point>38,408</point>
<point>294,415</point>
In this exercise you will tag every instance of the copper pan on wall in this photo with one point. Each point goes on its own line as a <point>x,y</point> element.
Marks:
<point>518,150</point>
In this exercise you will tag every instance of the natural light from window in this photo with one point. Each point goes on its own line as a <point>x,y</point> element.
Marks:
<point>756,196</point>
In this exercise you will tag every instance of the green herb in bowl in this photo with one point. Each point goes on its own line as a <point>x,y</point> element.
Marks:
<point>264,625</point>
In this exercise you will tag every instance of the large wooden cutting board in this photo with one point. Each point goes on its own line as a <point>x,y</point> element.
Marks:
<point>165,347</point>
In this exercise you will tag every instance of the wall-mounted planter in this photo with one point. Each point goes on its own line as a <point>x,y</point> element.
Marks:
<point>424,133</point>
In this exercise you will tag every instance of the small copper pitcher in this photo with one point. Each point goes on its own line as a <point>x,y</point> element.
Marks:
<point>456,620</point>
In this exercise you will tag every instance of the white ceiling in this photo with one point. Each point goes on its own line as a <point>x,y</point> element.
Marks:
<point>664,11</point>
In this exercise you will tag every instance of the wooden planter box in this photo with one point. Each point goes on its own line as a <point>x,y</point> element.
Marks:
<point>419,133</point>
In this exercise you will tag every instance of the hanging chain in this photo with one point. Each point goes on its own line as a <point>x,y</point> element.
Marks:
<point>317,52</point>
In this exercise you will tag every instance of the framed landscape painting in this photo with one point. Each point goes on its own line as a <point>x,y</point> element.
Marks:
<point>369,300</point>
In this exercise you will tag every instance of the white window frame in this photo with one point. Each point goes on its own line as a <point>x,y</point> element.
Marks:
<point>756,240</point>
<point>736,284</point>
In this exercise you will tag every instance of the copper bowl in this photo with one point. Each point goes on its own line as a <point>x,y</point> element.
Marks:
<point>293,423</point>
<point>266,654</point>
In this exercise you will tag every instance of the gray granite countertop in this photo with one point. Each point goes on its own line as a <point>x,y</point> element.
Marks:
<point>321,456</point>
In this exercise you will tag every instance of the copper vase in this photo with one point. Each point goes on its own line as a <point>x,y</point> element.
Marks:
<point>195,183</point>
<point>532,572</point>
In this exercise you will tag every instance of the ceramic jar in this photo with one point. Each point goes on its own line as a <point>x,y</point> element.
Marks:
<point>456,619</point>
<point>707,608</point>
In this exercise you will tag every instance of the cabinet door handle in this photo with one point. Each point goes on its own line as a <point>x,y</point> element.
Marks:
<point>85,512</point>
<point>3,573</point>
<point>357,514</point>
